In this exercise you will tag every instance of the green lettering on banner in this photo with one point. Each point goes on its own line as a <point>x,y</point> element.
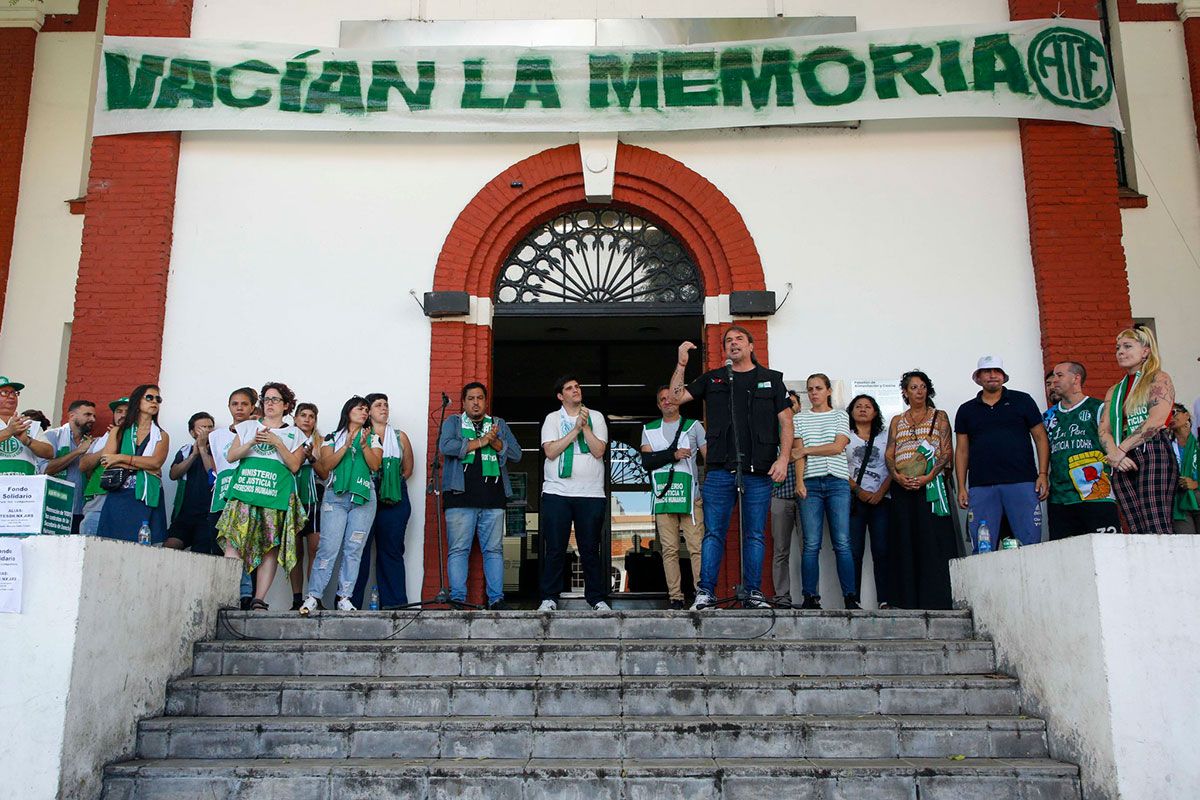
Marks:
<point>950,66</point>
<point>856,72</point>
<point>998,48</point>
<point>1064,63</point>
<point>186,79</point>
<point>385,76</point>
<point>680,91</point>
<point>289,88</point>
<point>639,76</point>
<point>907,61</point>
<point>225,77</point>
<point>737,71</point>
<point>136,91</point>
<point>339,84</point>
<point>534,83</point>
<point>472,96</point>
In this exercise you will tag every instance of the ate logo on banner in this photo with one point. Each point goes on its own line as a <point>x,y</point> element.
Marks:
<point>264,448</point>
<point>10,447</point>
<point>1070,68</point>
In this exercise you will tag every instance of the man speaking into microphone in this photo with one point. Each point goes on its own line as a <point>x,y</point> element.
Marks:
<point>748,416</point>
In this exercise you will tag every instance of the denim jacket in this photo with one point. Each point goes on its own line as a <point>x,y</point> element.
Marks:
<point>453,446</point>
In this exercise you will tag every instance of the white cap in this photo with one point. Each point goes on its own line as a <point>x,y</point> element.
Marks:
<point>989,362</point>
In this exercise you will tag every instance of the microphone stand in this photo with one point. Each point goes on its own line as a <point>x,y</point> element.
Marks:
<point>434,488</point>
<point>741,593</point>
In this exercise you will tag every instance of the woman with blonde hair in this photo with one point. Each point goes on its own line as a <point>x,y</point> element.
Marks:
<point>1136,434</point>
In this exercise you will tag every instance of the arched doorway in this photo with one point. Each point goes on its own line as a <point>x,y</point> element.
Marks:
<point>606,295</point>
<point>648,186</point>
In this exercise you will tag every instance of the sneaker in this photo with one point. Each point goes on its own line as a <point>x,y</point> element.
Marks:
<point>244,603</point>
<point>344,604</point>
<point>499,605</point>
<point>602,606</point>
<point>676,605</point>
<point>852,602</point>
<point>547,606</point>
<point>308,606</point>
<point>885,606</point>
<point>812,602</point>
<point>756,600</point>
<point>703,600</point>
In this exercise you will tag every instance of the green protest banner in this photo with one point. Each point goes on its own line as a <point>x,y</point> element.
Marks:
<point>1042,69</point>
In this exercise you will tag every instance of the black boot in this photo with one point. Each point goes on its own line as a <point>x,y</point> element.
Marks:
<point>812,602</point>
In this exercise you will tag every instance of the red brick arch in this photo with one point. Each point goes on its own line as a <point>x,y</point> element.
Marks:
<point>537,189</point>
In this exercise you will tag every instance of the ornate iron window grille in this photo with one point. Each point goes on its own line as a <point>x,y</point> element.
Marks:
<point>625,466</point>
<point>599,261</point>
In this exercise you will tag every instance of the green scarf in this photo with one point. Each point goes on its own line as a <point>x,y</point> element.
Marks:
<point>935,490</point>
<point>146,487</point>
<point>1185,500</point>
<point>490,463</point>
<point>352,474</point>
<point>1116,409</point>
<point>391,471</point>
<point>566,461</point>
<point>180,490</point>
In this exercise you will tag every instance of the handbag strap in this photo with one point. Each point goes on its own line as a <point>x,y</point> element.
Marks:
<point>862,468</point>
<point>671,471</point>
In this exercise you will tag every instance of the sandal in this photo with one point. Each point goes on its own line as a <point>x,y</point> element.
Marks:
<point>259,605</point>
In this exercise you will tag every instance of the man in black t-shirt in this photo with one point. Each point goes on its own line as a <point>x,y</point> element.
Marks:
<point>748,416</point>
<point>475,490</point>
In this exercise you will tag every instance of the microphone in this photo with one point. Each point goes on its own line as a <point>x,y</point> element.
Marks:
<point>729,368</point>
<point>445,399</point>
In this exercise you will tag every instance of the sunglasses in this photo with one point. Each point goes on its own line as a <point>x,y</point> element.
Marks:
<point>153,398</point>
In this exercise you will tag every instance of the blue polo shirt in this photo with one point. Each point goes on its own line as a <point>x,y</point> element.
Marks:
<point>1000,449</point>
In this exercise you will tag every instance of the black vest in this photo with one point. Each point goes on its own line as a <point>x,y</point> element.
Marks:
<point>763,447</point>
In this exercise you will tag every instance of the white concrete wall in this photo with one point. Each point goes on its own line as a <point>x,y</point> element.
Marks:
<point>929,217</point>
<point>104,626</point>
<point>45,256</point>
<point>1162,241</point>
<point>1105,650</point>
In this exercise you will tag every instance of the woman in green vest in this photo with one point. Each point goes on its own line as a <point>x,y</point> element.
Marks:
<point>311,492</point>
<point>348,457</point>
<point>1187,498</point>
<point>138,447</point>
<point>1135,432</point>
<point>263,513</point>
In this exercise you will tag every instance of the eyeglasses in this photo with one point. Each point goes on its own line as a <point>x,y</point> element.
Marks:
<point>10,393</point>
<point>153,398</point>
<point>272,400</point>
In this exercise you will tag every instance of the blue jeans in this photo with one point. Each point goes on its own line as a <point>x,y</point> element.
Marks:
<point>387,535</point>
<point>1016,501</point>
<point>344,529</point>
<point>876,519</point>
<point>828,499</point>
<point>462,526</point>
<point>720,498</point>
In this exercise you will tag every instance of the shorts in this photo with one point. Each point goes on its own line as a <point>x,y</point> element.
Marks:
<point>198,532</point>
<point>1077,519</point>
<point>313,523</point>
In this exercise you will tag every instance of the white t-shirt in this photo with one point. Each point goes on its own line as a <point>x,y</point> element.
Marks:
<point>818,429</point>
<point>293,439</point>
<point>877,470</point>
<point>219,442</point>
<point>12,449</point>
<point>694,438</point>
<point>587,471</point>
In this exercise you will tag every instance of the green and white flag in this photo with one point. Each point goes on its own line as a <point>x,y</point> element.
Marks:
<point>1038,69</point>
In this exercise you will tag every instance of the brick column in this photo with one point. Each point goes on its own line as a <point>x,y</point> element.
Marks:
<point>16,64</point>
<point>1189,13</point>
<point>121,291</point>
<point>1074,229</point>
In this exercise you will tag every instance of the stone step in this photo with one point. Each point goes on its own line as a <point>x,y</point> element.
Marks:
<point>875,736</point>
<point>722,624</point>
<point>535,779</point>
<point>520,657</point>
<point>592,696</point>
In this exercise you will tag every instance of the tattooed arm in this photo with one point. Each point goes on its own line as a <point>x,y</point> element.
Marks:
<point>1160,401</point>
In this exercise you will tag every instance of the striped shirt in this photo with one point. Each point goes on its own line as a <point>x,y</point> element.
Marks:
<point>820,429</point>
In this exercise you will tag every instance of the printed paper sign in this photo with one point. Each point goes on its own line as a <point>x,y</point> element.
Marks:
<point>1039,69</point>
<point>11,575</point>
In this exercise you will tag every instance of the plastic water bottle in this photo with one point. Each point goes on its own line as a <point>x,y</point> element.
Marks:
<point>984,537</point>
<point>144,533</point>
<point>374,604</point>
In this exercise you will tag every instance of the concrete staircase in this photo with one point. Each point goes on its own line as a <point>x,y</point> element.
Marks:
<point>642,704</point>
